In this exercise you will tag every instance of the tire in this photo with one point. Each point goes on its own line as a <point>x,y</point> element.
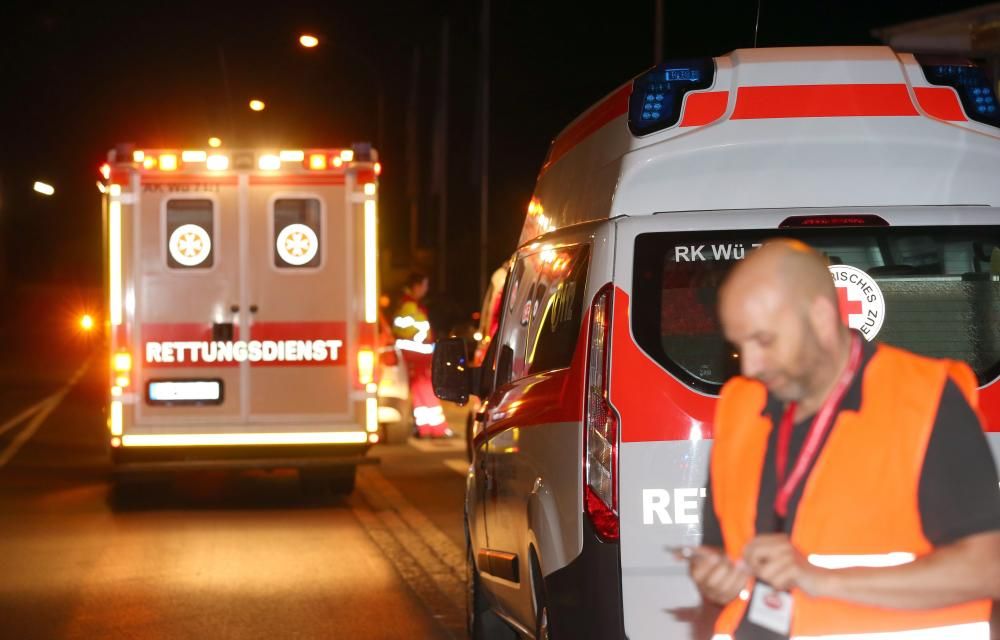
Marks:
<point>543,616</point>
<point>326,481</point>
<point>342,480</point>
<point>481,623</point>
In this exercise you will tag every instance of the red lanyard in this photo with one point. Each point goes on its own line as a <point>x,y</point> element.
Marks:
<point>814,439</point>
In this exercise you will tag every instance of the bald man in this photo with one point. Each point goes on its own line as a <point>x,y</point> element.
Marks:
<point>852,490</point>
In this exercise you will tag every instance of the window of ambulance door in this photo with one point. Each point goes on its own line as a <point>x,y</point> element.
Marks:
<point>190,233</point>
<point>297,233</point>
<point>542,312</point>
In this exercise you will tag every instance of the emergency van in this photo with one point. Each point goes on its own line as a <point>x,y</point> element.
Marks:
<point>242,309</point>
<point>592,441</point>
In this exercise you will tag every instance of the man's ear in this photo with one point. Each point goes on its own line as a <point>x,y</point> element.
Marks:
<point>824,314</point>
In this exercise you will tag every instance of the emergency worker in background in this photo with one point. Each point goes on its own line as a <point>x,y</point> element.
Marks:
<point>852,492</point>
<point>412,329</point>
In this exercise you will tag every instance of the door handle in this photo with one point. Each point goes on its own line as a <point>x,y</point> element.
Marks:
<point>235,308</point>
<point>253,308</point>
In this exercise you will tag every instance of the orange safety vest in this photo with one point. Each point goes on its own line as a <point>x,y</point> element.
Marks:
<point>860,503</point>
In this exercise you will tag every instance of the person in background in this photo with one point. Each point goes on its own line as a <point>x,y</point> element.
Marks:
<point>852,492</point>
<point>415,341</point>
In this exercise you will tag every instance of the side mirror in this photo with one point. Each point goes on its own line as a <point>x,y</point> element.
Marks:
<point>451,373</point>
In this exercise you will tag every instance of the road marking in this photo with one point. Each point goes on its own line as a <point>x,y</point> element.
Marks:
<point>41,412</point>
<point>427,560</point>
<point>459,465</point>
<point>24,415</point>
<point>437,445</point>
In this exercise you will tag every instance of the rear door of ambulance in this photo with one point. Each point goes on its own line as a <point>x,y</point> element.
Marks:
<point>923,278</point>
<point>262,261</point>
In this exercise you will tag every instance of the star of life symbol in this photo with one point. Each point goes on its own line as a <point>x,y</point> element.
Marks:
<point>190,245</point>
<point>297,244</point>
<point>862,304</point>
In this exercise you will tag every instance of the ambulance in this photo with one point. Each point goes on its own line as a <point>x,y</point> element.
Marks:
<point>242,309</point>
<point>592,441</point>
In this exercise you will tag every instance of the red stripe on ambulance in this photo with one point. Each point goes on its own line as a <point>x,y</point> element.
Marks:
<point>823,101</point>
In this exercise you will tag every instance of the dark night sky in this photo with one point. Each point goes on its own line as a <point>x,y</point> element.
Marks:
<point>80,77</point>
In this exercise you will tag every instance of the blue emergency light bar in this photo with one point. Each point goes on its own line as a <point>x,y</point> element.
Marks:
<point>974,89</point>
<point>658,94</point>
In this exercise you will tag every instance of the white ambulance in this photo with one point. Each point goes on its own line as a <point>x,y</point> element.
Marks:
<point>242,309</point>
<point>592,441</point>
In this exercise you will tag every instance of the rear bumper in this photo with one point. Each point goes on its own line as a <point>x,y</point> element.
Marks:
<point>166,459</point>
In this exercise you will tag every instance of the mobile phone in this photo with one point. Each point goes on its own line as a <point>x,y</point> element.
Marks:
<point>683,552</point>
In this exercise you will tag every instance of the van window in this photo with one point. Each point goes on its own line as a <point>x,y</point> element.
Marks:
<point>297,233</point>
<point>940,289</point>
<point>190,234</point>
<point>542,312</point>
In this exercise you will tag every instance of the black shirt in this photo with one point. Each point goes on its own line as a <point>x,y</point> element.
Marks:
<point>958,491</point>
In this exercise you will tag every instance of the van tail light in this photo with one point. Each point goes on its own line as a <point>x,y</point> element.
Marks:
<point>600,443</point>
<point>366,366</point>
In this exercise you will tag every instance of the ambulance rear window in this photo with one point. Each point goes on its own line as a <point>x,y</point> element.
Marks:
<point>297,233</point>
<point>934,291</point>
<point>190,234</point>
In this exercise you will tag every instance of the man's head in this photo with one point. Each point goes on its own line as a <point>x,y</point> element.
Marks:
<point>417,284</point>
<point>779,308</point>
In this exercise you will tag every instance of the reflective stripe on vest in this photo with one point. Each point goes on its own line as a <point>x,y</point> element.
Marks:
<point>973,631</point>
<point>859,506</point>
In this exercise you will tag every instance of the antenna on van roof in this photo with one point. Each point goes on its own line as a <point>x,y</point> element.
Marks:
<point>756,26</point>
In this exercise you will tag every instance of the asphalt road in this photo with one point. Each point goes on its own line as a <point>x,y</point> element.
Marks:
<point>210,555</point>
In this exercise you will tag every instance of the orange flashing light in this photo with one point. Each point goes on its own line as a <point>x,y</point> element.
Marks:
<point>338,162</point>
<point>377,168</point>
<point>149,162</point>
<point>317,161</point>
<point>106,171</point>
<point>168,162</point>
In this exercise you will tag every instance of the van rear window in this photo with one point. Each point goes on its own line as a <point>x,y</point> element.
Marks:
<point>934,291</point>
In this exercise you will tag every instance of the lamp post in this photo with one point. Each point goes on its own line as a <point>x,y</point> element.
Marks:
<point>310,41</point>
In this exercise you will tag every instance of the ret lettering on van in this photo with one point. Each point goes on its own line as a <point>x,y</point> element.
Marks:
<point>656,505</point>
<point>712,252</point>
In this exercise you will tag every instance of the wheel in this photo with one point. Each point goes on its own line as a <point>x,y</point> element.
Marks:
<point>342,480</point>
<point>543,618</point>
<point>324,481</point>
<point>480,622</point>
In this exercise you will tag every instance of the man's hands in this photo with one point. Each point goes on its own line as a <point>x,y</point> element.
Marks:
<point>718,579</point>
<point>770,558</point>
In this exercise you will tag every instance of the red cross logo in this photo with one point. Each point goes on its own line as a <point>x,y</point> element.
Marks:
<point>848,308</point>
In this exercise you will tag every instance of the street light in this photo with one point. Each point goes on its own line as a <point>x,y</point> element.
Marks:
<point>44,189</point>
<point>257,105</point>
<point>309,41</point>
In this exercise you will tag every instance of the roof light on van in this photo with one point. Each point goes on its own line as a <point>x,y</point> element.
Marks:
<point>377,168</point>
<point>317,161</point>
<point>168,161</point>
<point>214,142</point>
<point>149,162</point>
<point>269,162</point>
<point>106,171</point>
<point>292,155</point>
<point>193,156</point>
<point>970,82</point>
<point>347,155</point>
<point>138,155</point>
<point>217,162</point>
<point>842,220</point>
<point>658,94</point>
<point>337,161</point>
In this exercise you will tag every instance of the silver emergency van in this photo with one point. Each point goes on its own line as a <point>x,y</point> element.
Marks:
<point>593,435</point>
